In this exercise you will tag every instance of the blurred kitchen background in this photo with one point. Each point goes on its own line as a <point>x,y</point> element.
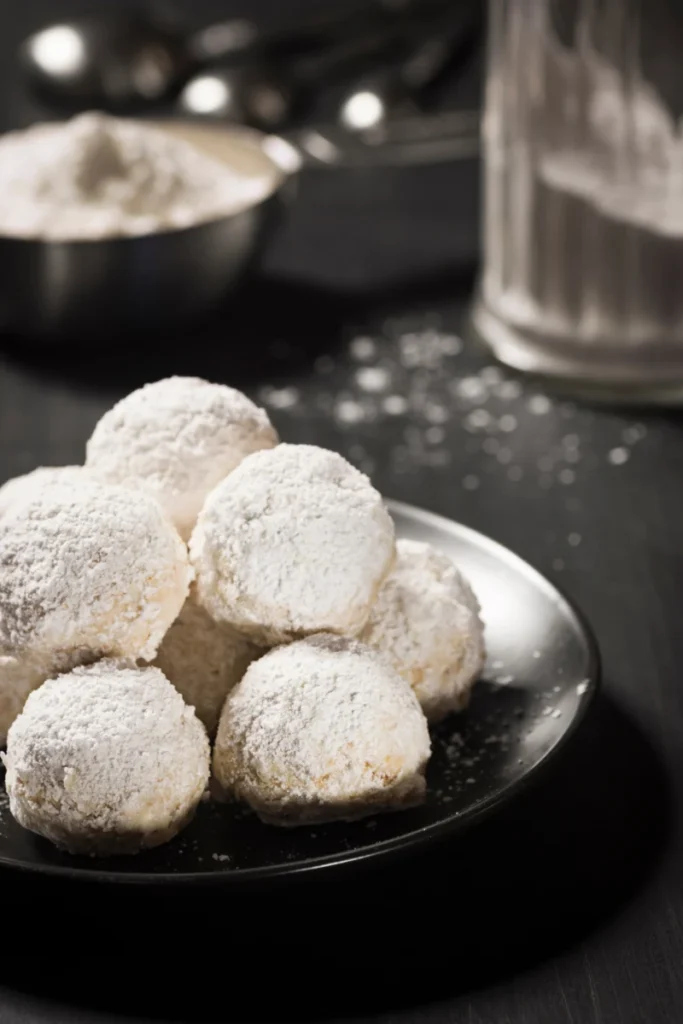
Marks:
<point>353,330</point>
<point>355,229</point>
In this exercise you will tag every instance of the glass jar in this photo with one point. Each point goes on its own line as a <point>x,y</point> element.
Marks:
<point>583,186</point>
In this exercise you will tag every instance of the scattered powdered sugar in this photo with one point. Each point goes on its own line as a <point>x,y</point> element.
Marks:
<point>373,378</point>
<point>22,488</point>
<point>504,680</point>
<point>435,435</point>
<point>320,730</point>
<point>395,405</point>
<point>411,373</point>
<point>295,541</point>
<point>634,433</point>
<point>539,405</point>
<point>106,759</point>
<point>99,177</point>
<point>349,411</point>
<point>426,622</point>
<point>618,456</point>
<point>88,571</point>
<point>280,398</point>
<point>478,419</point>
<point>363,348</point>
<point>176,439</point>
<point>407,397</point>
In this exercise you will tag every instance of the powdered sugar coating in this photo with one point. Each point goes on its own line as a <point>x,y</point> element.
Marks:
<point>96,176</point>
<point>90,571</point>
<point>294,542</point>
<point>107,759</point>
<point>22,488</point>
<point>177,439</point>
<point>426,621</point>
<point>323,729</point>
<point>204,660</point>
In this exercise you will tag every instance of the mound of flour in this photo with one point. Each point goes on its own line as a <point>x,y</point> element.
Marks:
<point>97,176</point>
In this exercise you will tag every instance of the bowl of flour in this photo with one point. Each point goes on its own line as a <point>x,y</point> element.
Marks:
<point>109,224</point>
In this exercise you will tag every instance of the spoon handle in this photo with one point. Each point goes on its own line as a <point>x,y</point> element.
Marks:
<point>339,19</point>
<point>401,142</point>
<point>416,74</point>
<point>236,36</point>
<point>382,40</point>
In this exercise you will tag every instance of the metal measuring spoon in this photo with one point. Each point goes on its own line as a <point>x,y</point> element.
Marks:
<point>268,94</point>
<point>126,60</point>
<point>407,83</point>
<point>105,63</point>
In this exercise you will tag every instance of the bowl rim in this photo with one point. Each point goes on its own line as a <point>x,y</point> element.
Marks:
<point>249,137</point>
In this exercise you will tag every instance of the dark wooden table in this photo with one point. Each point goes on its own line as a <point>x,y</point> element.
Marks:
<point>568,908</point>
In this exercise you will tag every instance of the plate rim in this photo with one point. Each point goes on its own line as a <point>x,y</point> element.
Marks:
<point>398,845</point>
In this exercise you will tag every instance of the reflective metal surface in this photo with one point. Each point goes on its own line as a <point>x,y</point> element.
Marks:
<point>110,62</point>
<point>51,289</point>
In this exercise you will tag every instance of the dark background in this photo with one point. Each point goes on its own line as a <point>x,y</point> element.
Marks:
<point>568,907</point>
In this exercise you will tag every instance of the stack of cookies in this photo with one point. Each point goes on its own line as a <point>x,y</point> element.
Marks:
<point>196,578</point>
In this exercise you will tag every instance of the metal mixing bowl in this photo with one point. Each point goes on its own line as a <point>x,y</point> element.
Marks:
<point>150,282</point>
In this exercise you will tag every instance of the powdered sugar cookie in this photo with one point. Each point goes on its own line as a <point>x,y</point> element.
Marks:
<point>426,621</point>
<point>295,541</point>
<point>107,759</point>
<point>204,660</point>
<point>176,439</point>
<point>90,571</point>
<point>320,730</point>
<point>22,488</point>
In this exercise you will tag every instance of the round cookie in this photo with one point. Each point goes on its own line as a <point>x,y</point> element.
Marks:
<point>176,439</point>
<point>294,542</point>
<point>90,571</point>
<point>426,621</point>
<point>204,660</point>
<point>106,760</point>
<point>321,730</point>
<point>23,488</point>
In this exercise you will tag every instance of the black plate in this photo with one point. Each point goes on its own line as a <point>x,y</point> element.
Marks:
<point>542,672</point>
